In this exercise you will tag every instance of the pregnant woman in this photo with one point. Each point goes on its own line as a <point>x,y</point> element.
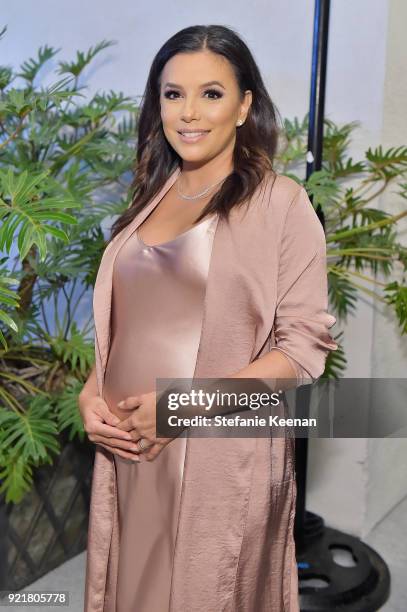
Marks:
<point>217,269</point>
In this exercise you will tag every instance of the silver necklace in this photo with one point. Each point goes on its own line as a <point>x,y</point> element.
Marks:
<point>199,195</point>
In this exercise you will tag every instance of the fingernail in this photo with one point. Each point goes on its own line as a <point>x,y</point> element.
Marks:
<point>120,404</point>
<point>128,436</point>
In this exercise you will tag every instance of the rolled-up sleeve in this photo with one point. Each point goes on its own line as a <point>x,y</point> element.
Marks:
<point>302,320</point>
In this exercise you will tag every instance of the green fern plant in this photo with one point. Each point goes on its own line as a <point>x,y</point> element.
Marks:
<point>361,240</point>
<point>65,166</point>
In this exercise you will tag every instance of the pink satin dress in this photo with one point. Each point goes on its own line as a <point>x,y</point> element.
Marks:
<point>157,314</point>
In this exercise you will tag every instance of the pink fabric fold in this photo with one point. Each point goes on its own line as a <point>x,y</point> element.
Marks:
<point>302,320</point>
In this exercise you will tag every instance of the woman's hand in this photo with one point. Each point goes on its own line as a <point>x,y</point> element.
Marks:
<point>142,423</point>
<point>101,427</point>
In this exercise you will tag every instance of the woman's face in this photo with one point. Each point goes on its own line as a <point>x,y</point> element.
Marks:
<point>192,100</point>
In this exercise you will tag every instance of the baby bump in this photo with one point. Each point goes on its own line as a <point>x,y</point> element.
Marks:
<point>133,367</point>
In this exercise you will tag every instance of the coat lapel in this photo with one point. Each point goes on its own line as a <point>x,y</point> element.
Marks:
<point>218,472</point>
<point>102,293</point>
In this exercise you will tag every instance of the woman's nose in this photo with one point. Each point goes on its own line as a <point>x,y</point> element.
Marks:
<point>189,110</point>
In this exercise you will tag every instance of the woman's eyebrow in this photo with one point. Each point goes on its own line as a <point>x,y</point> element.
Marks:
<point>203,84</point>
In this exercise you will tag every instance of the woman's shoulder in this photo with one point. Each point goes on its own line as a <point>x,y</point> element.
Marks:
<point>284,206</point>
<point>277,192</point>
<point>282,187</point>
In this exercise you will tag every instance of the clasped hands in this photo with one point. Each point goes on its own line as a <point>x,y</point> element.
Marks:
<point>121,435</point>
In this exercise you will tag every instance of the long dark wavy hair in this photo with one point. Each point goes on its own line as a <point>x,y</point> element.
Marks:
<point>256,139</point>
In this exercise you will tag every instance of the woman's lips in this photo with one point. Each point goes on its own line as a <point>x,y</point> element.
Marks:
<point>193,136</point>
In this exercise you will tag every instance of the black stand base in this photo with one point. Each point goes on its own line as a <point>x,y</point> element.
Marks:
<point>364,587</point>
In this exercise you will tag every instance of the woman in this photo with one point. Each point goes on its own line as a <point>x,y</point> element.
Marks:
<point>217,269</point>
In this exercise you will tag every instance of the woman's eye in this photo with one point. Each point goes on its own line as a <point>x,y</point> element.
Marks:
<point>168,94</point>
<point>214,91</point>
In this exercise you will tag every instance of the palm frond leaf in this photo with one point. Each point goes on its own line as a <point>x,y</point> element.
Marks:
<point>67,411</point>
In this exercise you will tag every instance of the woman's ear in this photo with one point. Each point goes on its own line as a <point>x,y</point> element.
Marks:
<point>248,99</point>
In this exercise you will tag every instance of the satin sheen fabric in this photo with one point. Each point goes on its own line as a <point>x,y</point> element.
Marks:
<point>266,290</point>
<point>158,300</point>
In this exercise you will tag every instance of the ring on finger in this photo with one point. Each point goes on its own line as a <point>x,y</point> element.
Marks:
<point>143,444</point>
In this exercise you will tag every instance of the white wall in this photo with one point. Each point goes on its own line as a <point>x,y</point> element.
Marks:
<point>388,458</point>
<point>366,81</point>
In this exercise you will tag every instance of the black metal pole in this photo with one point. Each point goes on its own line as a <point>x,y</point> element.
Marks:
<point>318,86</point>
<point>323,584</point>
<point>314,162</point>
